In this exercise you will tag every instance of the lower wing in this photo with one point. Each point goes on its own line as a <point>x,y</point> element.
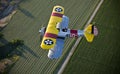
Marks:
<point>56,52</point>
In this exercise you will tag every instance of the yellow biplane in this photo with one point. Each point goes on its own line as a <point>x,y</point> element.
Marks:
<point>57,30</point>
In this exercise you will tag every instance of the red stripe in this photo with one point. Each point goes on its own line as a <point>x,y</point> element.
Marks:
<point>51,35</point>
<point>73,33</point>
<point>57,14</point>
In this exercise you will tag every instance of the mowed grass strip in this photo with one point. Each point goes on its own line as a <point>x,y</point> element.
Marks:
<point>30,17</point>
<point>84,17</point>
<point>103,55</point>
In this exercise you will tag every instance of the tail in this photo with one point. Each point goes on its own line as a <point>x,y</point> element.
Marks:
<point>89,32</point>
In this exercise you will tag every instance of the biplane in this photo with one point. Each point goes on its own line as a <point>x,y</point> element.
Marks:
<point>53,36</point>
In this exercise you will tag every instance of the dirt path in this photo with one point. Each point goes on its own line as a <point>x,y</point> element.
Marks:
<point>5,20</point>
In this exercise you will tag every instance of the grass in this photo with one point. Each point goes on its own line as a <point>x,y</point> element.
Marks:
<point>101,56</point>
<point>30,17</point>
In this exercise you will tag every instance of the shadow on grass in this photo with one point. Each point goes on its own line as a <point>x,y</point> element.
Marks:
<point>3,41</point>
<point>7,50</point>
<point>25,49</point>
<point>26,12</point>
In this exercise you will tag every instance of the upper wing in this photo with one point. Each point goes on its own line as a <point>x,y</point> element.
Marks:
<point>56,52</point>
<point>65,22</point>
<point>49,39</point>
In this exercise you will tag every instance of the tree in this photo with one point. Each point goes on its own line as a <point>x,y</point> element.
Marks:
<point>17,42</point>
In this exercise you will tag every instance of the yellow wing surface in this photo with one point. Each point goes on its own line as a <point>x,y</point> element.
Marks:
<point>89,33</point>
<point>49,39</point>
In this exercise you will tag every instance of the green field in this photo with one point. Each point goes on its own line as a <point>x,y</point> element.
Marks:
<point>101,56</point>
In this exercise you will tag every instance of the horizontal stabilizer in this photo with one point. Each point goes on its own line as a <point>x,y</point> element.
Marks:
<point>89,37</point>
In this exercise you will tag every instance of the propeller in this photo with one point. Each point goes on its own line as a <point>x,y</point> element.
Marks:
<point>42,32</point>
